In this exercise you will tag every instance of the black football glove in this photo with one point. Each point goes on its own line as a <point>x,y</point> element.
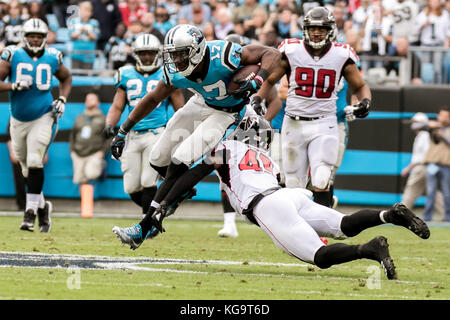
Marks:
<point>362,108</point>
<point>117,145</point>
<point>247,88</point>
<point>159,215</point>
<point>258,106</point>
<point>109,132</point>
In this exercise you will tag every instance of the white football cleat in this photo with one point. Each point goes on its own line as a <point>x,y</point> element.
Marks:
<point>228,231</point>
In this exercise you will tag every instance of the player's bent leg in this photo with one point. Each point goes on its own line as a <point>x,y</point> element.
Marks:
<point>325,221</point>
<point>35,182</point>
<point>44,217</point>
<point>376,249</point>
<point>177,130</point>
<point>136,197</point>
<point>205,137</point>
<point>277,215</point>
<point>147,196</point>
<point>398,214</point>
<point>294,155</point>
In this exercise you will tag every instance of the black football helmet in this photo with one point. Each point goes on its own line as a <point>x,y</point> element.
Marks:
<point>319,17</point>
<point>255,131</point>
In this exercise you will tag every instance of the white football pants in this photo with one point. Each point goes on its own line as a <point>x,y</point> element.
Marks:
<point>192,131</point>
<point>309,144</point>
<point>135,164</point>
<point>30,141</point>
<point>294,222</point>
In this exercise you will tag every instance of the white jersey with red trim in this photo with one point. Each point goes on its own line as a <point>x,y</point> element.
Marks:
<point>313,81</point>
<point>247,172</point>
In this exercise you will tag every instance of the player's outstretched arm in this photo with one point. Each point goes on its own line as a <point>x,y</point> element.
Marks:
<point>148,103</point>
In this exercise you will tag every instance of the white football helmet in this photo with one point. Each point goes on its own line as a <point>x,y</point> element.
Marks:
<point>34,26</point>
<point>147,42</point>
<point>184,48</point>
<point>319,17</point>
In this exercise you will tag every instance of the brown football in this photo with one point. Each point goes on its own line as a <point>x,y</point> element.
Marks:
<point>247,72</point>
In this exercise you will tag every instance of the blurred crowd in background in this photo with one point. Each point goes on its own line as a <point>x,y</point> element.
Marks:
<point>98,33</point>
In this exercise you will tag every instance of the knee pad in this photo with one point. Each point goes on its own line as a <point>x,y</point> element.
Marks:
<point>34,160</point>
<point>157,159</point>
<point>320,176</point>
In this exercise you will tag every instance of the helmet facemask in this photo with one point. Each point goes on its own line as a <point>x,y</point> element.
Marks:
<point>31,27</point>
<point>147,42</point>
<point>319,17</point>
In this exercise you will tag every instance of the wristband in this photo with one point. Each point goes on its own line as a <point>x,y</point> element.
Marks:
<point>263,74</point>
<point>63,99</point>
<point>126,126</point>
<point>366,102</point>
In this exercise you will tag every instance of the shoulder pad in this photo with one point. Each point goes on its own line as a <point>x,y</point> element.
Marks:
<point>8,52</point>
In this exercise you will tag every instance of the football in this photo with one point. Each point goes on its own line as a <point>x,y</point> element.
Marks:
<point>247,72</point>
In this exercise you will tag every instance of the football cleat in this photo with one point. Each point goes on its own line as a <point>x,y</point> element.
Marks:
<point>229,230</point>
<point>400,215</point>
<point>28,220</point>
<point>133,235</point>
<point>379,250</point>
<point>44,217</point>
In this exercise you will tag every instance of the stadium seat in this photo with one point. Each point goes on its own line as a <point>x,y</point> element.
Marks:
<point>376,76</point>
<point>62,35</point>
<point>53,23</point>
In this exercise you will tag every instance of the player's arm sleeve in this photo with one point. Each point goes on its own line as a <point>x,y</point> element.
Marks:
<point>231,57</point>
<point>7,54</point>
<point>118,80</point>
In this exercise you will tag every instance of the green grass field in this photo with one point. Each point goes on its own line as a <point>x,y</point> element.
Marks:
<point>191,262</point>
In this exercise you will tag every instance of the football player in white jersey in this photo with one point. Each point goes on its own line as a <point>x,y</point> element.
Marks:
<point>310,134</point>
<point>289,217</point>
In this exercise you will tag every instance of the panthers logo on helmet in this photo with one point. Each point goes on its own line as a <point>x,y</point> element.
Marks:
<point>196,34</point>
<point>184,49</point>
